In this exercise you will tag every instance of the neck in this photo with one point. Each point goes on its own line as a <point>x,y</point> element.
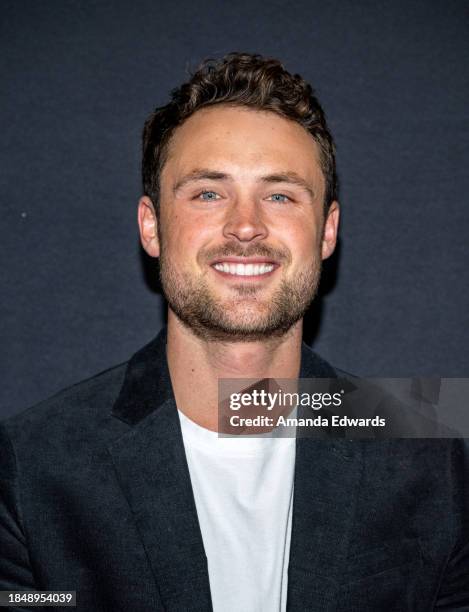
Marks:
<point>196,364</point>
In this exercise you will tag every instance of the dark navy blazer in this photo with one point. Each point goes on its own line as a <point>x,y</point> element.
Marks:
<point>95,496</point>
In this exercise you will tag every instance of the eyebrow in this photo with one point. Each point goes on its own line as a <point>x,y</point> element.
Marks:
<point>201,174</point>
<point>204,174</point>
<point>291,178</point>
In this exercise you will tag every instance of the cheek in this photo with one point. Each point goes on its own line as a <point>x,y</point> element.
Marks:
<point>184,238</point>
<point>304,241</point>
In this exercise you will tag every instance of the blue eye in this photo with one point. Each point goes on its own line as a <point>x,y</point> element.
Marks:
<point>279,197</point>
<point>208,196</point>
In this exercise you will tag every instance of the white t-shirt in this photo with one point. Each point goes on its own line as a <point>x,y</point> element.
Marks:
<point>243,490</point>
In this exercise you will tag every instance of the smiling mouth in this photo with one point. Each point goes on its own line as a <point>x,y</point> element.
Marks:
<point>249,270</point>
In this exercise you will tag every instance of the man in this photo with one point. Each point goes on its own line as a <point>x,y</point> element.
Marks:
<point>120,487</point>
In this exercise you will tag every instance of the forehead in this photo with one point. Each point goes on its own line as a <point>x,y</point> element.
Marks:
<point>244,142</point>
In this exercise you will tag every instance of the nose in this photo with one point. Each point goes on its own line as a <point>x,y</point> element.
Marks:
<point>245,222</point>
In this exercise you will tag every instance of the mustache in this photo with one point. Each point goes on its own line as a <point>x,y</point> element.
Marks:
<point>235,249</point>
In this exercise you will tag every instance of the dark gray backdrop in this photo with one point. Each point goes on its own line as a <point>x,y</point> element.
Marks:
<point>78,79</point>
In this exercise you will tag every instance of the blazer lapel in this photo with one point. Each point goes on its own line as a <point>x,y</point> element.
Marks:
<point>152,470</point>
<point>327,473</point>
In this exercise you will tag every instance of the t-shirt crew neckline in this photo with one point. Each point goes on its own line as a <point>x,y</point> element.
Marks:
<point>229,445</point>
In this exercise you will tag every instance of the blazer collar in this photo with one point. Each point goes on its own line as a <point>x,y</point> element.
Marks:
<point>147,382</point>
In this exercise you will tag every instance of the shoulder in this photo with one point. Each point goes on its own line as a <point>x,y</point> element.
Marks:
<point>416,443</point>
<point>85,406</point>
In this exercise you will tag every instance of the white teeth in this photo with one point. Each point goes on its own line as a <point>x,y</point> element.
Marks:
<point>243,269</point>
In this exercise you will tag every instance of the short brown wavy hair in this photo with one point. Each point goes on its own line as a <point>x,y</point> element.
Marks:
<point>239,79</point>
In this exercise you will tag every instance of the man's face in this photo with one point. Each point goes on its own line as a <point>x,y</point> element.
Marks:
<point>241,229</point>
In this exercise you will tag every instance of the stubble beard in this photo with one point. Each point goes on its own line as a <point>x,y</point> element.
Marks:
<point>245,317</point>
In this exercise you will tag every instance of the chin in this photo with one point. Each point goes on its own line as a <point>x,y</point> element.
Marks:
<point>252,315</point>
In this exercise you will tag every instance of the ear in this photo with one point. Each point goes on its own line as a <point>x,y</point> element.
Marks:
<point>148,225</point>
<point>331,227</point>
